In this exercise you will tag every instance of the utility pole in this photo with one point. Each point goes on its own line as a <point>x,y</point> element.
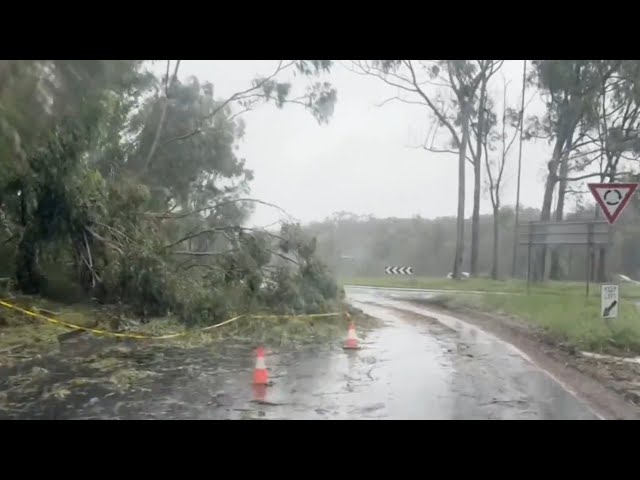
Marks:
<point>517,222</point>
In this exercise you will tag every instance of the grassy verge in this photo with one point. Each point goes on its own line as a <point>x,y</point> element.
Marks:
<point>569,319</point>
<point>487,285</point>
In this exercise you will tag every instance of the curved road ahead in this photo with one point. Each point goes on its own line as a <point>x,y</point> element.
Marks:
<point>447,369</point>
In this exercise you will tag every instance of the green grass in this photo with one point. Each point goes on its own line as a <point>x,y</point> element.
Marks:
<point>559,308</point>
<point>487,285</point>
<point>570,319</point>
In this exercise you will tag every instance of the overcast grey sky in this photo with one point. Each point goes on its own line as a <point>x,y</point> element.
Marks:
<point>361,161</point>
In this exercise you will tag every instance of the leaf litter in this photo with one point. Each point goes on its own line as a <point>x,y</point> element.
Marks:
<point>121,373</point>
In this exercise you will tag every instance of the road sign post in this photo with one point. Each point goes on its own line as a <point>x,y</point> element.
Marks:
<point>609,301</point>
<point>583,232</point>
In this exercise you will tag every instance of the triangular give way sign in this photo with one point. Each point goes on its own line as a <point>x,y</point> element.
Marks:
<point>612,197</point>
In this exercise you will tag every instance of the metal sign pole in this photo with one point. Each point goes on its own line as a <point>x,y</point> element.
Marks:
<point>529,257</point>
<point>590,240</point>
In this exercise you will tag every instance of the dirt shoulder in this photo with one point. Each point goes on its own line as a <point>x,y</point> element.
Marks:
<point>610,385</point>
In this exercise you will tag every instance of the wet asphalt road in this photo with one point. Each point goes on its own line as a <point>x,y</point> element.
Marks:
<point>463,372</point>
<point>412,367</point>
<point>415,367</point>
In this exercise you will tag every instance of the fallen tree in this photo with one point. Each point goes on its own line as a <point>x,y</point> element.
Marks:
<point>135,194</point>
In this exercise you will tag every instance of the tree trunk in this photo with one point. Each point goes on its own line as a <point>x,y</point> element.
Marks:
<point>23,205</point>
<point>545,213</point>
<point>555,272</point>
<point>462,159</point>
<point>475,221</point>
<point>477,172</point>
<point>28,278</point>
<point>496,244</point>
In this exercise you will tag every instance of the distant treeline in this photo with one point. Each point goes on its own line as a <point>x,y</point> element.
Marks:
<point>363,245</point>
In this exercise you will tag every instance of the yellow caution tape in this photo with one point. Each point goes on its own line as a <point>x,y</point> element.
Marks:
<point>295,316</point>
<point>147,337</point>
<point>112,334</point>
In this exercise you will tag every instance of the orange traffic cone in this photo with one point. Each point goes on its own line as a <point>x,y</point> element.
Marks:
<point>260,374</point>
<point>352,339</point>
<point>259,393</point>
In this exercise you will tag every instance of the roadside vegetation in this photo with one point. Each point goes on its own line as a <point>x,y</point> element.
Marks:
<point>123,199</point>
<point>561,309</point>
<point>516,286</point>
<point>568,319</point>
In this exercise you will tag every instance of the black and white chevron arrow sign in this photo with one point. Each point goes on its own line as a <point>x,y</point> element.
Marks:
<point>398,270</point>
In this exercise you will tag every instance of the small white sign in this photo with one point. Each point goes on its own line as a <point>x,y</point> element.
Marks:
<point>609,301</point>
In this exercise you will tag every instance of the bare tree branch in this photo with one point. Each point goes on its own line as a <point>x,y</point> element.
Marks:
<point>237,114</point>
<point>433,108</point>
<point>399,99</point>
<point>591,175</point>
<point>437,150</point>
<point>376,72</point>
<point>575,192</point>
<point>172,216</point>
<point>236,96</point>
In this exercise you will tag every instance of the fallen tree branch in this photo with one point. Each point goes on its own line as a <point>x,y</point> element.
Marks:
<point>14,347</point>
<point>10,238</point>
<point>89,263</point>
<point>116,231</point>
<point>104,240</point>
<point>197,234</point>
<point>284,257</point>
<point>222,229</point>
<point>170,216</point>
<point>201,254</point>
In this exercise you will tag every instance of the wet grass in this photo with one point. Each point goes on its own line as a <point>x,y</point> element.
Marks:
<point>569,319</point>
<point>275,331</point>
<point>23,337</point>
<point>488,285</point>
<point>18,330</point>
